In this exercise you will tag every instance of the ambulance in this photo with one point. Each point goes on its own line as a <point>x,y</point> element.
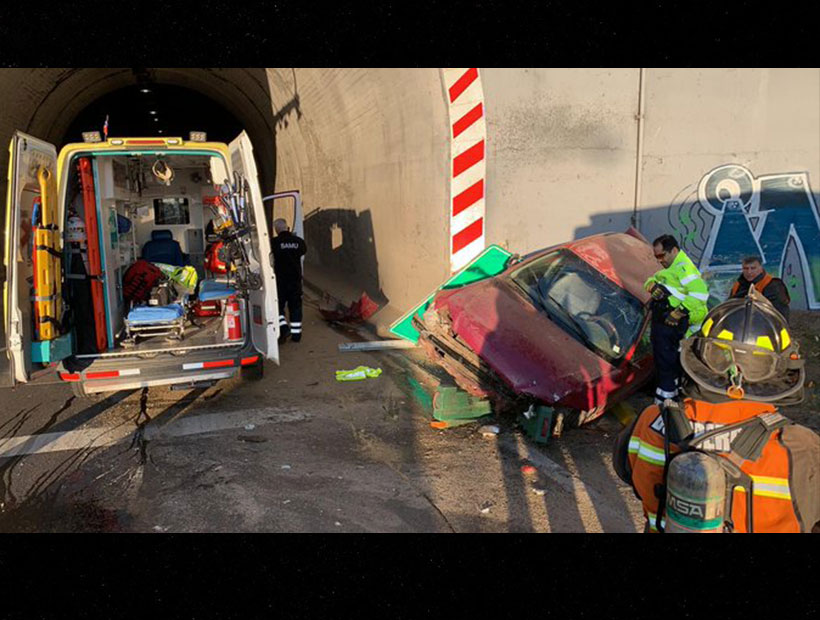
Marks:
<point>86,229</point>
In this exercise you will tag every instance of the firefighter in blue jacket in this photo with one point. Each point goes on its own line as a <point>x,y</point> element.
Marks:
<point>288,250</point>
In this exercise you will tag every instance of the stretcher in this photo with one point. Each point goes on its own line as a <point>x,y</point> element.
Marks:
<point>146,321</point>
<point>169,320</point>
<point>47,259</point>
<point>94,260</point>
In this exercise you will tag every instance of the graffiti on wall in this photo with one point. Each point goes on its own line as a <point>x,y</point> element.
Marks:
<point>731,214</point>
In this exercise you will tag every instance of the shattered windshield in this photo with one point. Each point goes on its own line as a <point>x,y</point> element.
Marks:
<point>602,315</point>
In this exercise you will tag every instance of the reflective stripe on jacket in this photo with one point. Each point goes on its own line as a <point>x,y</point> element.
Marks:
<point>686,288</point>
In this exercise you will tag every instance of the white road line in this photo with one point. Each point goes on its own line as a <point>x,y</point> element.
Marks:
<point>99,437</point>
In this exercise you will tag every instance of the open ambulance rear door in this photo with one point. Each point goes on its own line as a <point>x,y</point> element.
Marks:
<point>26,155</point>
<point>264,305</point>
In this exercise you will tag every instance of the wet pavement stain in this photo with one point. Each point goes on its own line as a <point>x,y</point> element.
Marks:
<point>44,516</point>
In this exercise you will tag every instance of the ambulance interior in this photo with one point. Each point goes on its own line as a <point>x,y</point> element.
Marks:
<point>156,208</point>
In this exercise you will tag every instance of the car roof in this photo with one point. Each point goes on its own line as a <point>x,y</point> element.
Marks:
<point>624,259</point>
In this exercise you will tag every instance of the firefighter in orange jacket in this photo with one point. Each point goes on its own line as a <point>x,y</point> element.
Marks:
<point>741,363</point>
<point>773,289</point>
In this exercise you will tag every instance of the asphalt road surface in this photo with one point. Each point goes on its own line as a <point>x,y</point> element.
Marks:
<point>294,452</point>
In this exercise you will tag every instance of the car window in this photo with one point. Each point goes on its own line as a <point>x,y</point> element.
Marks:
<point>592,308</point>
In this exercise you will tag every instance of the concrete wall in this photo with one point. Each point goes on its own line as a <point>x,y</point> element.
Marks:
<point>369,150</point>
<point>561,147</point>
<point>731,165</point>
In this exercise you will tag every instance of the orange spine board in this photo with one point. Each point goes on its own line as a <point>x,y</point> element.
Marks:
<point>94,263</point>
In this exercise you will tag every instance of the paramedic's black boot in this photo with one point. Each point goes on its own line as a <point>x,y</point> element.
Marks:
<point>284,332</point>
<point>296,337</point>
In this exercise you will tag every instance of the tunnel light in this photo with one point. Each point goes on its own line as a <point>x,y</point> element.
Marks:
<point>152,112</point>
<point>145,90</point>
<point>198,136</point>
<point>160,131</point>
<point>92,136</point>
<point>156,120</point>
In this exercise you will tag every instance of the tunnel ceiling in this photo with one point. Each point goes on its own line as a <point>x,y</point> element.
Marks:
<point>148,110</point>
<point>54,104</point>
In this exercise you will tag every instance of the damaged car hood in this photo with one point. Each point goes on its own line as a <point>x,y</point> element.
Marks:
<point>524,347</point>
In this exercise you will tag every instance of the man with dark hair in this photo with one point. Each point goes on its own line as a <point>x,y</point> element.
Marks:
<point>679,297</point>
<point>773,289</point>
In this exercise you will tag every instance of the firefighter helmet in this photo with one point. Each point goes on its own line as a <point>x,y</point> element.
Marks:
<point>744,349</point>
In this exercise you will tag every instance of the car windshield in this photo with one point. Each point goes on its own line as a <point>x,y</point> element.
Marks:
<point>592,308</point>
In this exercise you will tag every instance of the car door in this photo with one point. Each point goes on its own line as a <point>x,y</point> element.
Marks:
<point>26,155</point>
<point>264,305</point>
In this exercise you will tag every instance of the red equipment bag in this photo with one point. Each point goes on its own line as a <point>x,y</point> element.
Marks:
<point>138,281</point>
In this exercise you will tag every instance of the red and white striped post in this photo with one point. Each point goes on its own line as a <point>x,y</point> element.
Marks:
<point>468,140</point>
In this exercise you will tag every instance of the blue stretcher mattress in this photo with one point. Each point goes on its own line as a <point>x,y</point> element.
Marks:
<point>147,315</point>
<point>210,290</point>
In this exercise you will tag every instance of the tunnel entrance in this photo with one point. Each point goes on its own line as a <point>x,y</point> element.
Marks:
<point>155,109</point>
<point>57,105</point>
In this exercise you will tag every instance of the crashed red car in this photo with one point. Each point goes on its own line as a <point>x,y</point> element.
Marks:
<point>565,327</point>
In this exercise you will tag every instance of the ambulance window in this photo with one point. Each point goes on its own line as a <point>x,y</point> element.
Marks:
<point>171,211</point>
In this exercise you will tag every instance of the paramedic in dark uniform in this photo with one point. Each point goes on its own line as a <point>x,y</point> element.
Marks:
<point>288,250</point>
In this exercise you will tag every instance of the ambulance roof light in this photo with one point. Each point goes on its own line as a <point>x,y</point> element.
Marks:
<point>92,136</point>
<point>198,136</point>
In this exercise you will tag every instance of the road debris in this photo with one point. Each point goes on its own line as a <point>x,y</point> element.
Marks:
<point>528,470</point>
<point>625,413</point>
<point>376,345</point>
<point>537,422</point>
<point>539,491</point>
<point>250,427</point>
<point>490,430</point>
<point>454,406</point>
<point>358,374</point>
<point>332,309</point>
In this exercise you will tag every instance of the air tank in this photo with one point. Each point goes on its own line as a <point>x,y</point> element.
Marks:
<point>695,494</point>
